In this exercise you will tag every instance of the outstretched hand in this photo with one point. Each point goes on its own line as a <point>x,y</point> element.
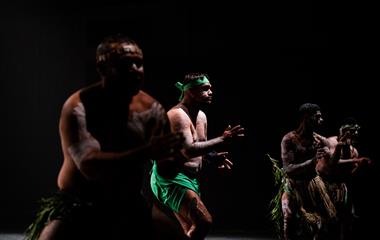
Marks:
<point>360,162</point>
<point>233,132</point>
<point>219,159</point>
<point>323,153</point>
<point>320,141</point>
<point>225,163</point>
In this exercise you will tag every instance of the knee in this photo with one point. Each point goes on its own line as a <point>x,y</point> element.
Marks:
<point>206,221</point>
<point>203,220</point>
<point>285,206</point>
<point>53,230</point>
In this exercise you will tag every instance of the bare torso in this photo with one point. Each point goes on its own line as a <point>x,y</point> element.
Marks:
<point>326,166</point>
<point>86,122</point>
<point>300,148</point>
<point>193,128</point>
<point>297,153</point>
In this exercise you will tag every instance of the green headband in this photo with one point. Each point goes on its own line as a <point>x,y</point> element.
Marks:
<point>192,83</point>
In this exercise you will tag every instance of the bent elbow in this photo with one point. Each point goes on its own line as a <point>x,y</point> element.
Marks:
<point>87,166</point>
<point>288,170</point>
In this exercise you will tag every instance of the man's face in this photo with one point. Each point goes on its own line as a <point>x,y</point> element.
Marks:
<point>350,132</point>
<point>202,93</point>
<point>127,69</point>
<point>316,119</point>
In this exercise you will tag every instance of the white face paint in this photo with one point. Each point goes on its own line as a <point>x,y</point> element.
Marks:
<point>130,48</point>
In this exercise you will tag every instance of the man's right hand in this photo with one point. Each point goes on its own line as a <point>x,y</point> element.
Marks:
<point>233,132</point>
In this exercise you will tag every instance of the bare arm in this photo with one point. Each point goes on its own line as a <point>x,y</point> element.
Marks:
<point>337,148</point>
<point>287,154</point>
<point>355,159</point>
<point>181,123</point>
<point>85,151</point>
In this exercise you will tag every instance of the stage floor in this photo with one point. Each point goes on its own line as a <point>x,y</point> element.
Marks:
<point>14,236</point>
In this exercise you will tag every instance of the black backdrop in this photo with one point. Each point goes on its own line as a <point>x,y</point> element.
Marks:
<point>264,60</point>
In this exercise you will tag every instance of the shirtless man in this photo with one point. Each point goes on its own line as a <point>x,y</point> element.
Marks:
<point>175,184</point>
<point>336,163</point>
<point>298,154</point>
<point>109,131</point>
<point>342,150</point>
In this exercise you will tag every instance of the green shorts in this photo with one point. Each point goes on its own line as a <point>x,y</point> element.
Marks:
<point>171,191</point>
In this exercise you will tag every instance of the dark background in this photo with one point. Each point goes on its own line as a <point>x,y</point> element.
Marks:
<point>264,60</point>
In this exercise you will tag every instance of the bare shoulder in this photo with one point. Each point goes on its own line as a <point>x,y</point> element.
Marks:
<point>68,124</point>
<point>71,103</point>
<point>333,140</point>
<point>202,116</point>
<point>142,101</point>
<point>145,98</point>
<point>177,114</point>
<point>289,137</point>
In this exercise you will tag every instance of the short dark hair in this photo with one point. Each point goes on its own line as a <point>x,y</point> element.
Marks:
<point>308,109</point>
<point>107,45</point>
<point>194,75</point>
<point>109,49</point>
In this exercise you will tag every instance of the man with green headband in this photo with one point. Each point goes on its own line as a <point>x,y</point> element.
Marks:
<point>176,183</point>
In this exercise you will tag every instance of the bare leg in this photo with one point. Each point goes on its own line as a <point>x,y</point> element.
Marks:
<point>54,230</point>
<point>287,215</point>
<point>194,217</point>
<point>185,223</point>
<point>165,224</point>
